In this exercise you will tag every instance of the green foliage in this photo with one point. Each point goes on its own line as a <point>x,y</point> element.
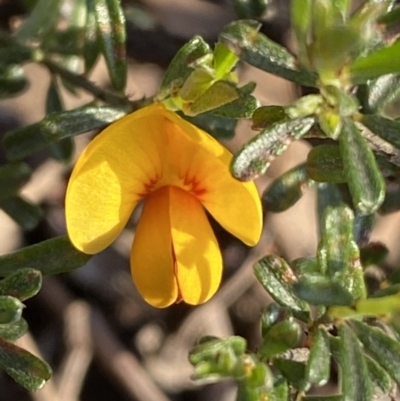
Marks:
<point>323,308</point>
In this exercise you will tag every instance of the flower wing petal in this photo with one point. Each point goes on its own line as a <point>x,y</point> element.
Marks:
<point>110,177</point>
<point>198,258</point>
<point>152,262</point>
<point>204,162</point>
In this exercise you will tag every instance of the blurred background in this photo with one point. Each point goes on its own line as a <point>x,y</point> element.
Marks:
<point>101,339</point>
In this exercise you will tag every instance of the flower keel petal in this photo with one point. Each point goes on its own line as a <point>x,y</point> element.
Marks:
<point>198,258</point>
<point>152,262</point>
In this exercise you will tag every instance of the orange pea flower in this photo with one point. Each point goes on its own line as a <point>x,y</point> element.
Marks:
<point>178,169</point>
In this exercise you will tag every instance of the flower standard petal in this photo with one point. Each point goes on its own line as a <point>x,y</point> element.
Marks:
<point>202,163</point>
<point>113,173</point>
<point>197,254</point>
<point>152,261</point>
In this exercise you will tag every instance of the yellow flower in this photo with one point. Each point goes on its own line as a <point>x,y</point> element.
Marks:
<point>155,155</point>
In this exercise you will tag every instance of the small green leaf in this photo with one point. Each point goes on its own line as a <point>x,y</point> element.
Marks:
<point>180,67</point>
<point>53,256</point>
<point>279,338</point>
<point>319,361</point>
<point>280,390</point>
<point>287,189</point>
<point>384,127</point>
<point>320,290</point>
<point>323,398</point>
<point>91,47</point>
<point>219,94</point>
<point>15,54</point>
<point>381,347</point>
<point>26,369</point>
<point>13,331</point>
<point>243,107</point>
<point>255,157</point>
<point>41,21</point>
<point>337,249</point>
<point>294,372</point>
<point>216,358</point>
<point>300,14</point>
<point>12,80</point>
<point>362,229</point>
<point>10,309</point>
<point>330,122</point>
<point>365,181</point>
<point>196,84</point>
<point>24,212</point>
<point>380,62</point>
<point>271,315</point>
<point>217,126</point>
<point>12,177</point>
<point>22,284</point>
<point>378,93</point>
<point>63,149</point>
<point>112,36</point>
<point>224,60</point>
<point>305,266</point>
<point>267,115</point>
<point>324,164</point>
<point>22,142</point>
<point>329,195</point>
<point>355,381</point>
<point>277,278</point>
<point>256,49</point>
<point>250,8</point>
<point>380,379</point>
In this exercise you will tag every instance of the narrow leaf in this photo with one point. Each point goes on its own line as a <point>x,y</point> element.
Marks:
<point>287,189</point>
<point>277,278</point>
<point>180,67</point>
<point>25,368</point>
<point>381,347</point>
<point>267,115</point>
<point>22,211</point>
<point>294,372</point>
<point>91,47</point>
<point>320,290</point>
<point>364,178</point>
<point>112,36</point>
<point>379,377</point>
<point>387,129</point>
<point>376,94</point>
<point>300,13</point>
<point>22,284</point>
<point>12,81</point>
<point>243,107</point>
<point>256,49</point>
<point>337,249</point>
<point>380,62</point>
<point>255,157</point>
<point>53,256</point>
<point>13,331</point>
<point>279,338</point>
<point>10,309</point>
<point>324,164</point>
<point>219,94</point>
<point>12,176</point>
<point>22,142</point>
<point>355,381</point>
<point>63,149</point>
<point>319,361</point>
<point>217,126</point>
